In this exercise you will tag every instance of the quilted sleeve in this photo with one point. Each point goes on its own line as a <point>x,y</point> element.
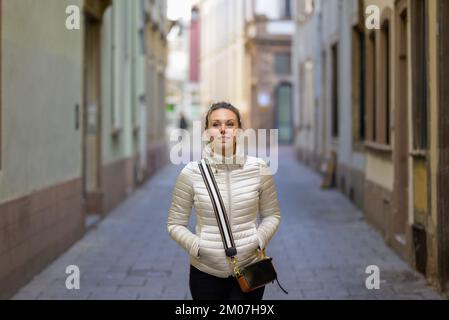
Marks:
<point>268,207</point>
<point>180,211</point>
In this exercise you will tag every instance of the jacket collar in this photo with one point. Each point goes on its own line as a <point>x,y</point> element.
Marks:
<point>218,161</point>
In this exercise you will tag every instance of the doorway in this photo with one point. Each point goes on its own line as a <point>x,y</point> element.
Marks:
<point>91,140</point>
<point>401,156</point>
<point>284,114</point>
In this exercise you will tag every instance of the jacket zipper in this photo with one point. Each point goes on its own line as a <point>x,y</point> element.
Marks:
<point>228,181</point>
<point>228,184</point>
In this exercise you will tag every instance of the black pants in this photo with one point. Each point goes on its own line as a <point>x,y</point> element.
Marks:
<point>204,286</point>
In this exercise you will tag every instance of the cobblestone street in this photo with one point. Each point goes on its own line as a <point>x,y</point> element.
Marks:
<point>321,250</point>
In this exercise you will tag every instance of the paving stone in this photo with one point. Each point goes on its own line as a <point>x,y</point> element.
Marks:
<point>320,251</point>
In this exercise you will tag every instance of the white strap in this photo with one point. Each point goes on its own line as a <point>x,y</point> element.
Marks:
<point>219,208</point>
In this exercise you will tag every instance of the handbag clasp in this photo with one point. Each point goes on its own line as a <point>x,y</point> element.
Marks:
<point>236,268</point>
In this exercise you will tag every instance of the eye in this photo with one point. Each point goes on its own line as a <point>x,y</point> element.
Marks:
<point>215,124</point>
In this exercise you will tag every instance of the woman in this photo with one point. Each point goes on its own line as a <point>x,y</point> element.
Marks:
<point>245,192</point>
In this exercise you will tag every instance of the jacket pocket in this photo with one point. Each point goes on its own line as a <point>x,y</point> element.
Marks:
<point>200,244</point>
<point>203,250</point>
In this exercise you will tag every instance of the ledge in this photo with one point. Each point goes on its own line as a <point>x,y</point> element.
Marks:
<point>378,147</point>
<point>419,153</point>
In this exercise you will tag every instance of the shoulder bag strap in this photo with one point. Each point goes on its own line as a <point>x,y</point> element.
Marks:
<point>219,208</point>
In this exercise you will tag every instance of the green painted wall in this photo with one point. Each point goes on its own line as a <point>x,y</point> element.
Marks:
<point>123,78</point>
<point>42,65</point>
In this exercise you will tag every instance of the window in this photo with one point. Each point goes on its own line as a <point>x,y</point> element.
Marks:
<point>370,85</point>
<point>304,9</point>
<point>301,95</point>
<point>324,101</point>
<point>309,6</point>
<point>358,84</point>
<point>384,101</point>
<point>125,30</point>
<point>282,63</point>
<point>335,97</point>
<point>142,18</point>
<point>286,9</point>
<point>378,83</point>
<point>114,79</point>
<point>419,74</point>
<point>306,96</point>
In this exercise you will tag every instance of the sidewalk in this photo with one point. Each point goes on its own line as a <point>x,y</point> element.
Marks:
<point>321,250</point>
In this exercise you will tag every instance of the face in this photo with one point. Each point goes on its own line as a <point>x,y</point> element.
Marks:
<point>222,128</point>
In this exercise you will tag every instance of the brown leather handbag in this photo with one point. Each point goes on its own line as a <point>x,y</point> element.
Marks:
<point>255,275</point>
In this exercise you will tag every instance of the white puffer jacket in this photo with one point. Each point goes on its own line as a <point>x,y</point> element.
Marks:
<point>245,193</point>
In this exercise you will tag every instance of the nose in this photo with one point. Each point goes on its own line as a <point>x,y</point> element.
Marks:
<point>223,129</point>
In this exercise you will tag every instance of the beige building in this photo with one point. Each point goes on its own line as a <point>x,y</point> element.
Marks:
<point>224,62</point>
<point>247,62</point>
<point>398,119</point>
<point>156,29</point>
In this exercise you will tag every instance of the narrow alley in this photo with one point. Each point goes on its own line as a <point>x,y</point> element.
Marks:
<point>321,250</point>
<point>354,94</point>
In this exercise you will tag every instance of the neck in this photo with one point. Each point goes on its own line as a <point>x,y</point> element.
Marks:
<point>226,152</point>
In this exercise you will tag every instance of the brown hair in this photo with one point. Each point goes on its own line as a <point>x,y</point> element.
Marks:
<point>223,105</point>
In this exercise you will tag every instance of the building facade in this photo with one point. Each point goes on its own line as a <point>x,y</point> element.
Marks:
<point>41,207</point>
<point>155,85</point>
<point>183,70</point>
<point>248,62</point>
<point>374,97</point>
<point>325,126</point>
<point>223,67</point>
<point>269,30</point>
<point>193,101</point>
<point>78,122</point>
